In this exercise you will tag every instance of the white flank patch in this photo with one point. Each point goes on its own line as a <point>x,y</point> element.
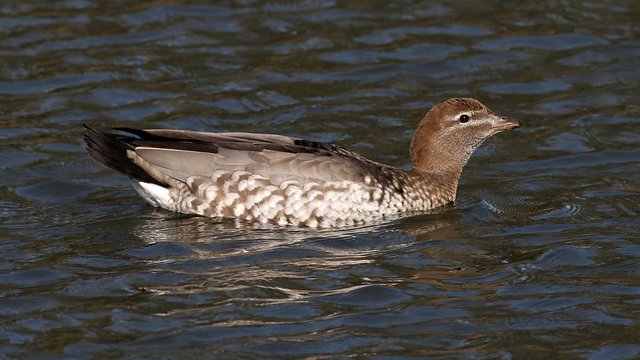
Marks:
<point>242,185</point>
<point>229,199</point>
<point>155,195</point>
<point>238,210</point>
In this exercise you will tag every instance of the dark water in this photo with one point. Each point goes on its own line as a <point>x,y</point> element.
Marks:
<point>540,256</point>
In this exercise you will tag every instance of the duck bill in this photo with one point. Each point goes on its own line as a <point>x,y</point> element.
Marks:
<point>504,123</point>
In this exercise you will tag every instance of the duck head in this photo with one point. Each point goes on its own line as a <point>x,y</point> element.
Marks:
<point>451,131</point>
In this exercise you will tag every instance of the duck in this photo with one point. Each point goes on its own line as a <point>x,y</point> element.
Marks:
<point>288,181</point>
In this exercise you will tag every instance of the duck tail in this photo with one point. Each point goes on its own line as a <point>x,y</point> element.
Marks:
<point>110,150</point>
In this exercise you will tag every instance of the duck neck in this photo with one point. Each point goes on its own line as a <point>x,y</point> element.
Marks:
<point>441,162</point>
<point>443,183</point>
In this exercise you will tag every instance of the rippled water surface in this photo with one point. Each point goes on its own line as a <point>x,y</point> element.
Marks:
<point>540,255</point>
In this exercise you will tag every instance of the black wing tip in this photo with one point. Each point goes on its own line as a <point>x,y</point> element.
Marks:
<point>110,150</point>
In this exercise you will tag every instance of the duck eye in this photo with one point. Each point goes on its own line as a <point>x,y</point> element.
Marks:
<point>464,118</point>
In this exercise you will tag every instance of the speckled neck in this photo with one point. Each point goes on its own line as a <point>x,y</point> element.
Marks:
<point>440,187</point>
<point>420,190</point>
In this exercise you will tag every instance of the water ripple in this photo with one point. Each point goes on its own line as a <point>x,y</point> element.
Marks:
<point>556,42</point>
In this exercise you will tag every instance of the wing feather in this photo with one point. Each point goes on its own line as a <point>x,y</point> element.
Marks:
<point>179,154</point>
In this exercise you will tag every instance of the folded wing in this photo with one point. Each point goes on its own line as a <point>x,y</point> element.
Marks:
<point>160,156</point>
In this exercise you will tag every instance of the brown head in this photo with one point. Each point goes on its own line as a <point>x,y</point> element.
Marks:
<point>451,131</point>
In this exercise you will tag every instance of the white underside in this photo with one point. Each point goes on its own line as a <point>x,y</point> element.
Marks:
<point>155,195</point>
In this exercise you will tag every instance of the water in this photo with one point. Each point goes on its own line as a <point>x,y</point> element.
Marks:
<point>538,257</point>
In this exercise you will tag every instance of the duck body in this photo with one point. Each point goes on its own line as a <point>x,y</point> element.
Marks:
<point>270,178</point>
<point>316,203</point>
